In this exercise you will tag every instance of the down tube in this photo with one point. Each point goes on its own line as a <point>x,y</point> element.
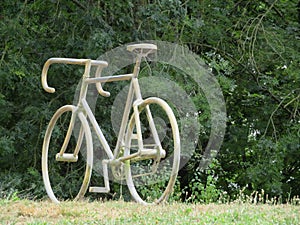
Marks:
<point>97,129</point>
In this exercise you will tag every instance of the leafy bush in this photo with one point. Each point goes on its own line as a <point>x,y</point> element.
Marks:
<point>252,47</point>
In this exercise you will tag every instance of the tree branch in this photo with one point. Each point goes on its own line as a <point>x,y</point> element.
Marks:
<point>76,2</point>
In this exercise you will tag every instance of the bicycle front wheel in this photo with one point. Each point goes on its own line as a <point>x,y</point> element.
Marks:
<point>67,177</point>
<point>151,179</point>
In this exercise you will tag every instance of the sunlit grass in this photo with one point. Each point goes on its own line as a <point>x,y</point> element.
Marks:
<point>119,212</point>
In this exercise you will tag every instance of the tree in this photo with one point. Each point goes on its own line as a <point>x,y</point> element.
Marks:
<point>252,48</point>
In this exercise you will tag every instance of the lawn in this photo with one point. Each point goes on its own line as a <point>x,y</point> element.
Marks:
<point>119,212</point>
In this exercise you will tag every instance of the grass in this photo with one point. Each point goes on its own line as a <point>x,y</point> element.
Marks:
<point>119,212</point>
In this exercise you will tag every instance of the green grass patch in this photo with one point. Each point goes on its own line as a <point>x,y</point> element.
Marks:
<point>119,212</point>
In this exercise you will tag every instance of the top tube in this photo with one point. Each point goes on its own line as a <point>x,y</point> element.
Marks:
<point>142,50</point>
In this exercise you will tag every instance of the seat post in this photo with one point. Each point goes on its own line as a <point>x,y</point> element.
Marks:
<point>141,50</point>
<point>136,69</point>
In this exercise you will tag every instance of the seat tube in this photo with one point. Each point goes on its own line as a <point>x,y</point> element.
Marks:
<point>134,90</point>
<point>136,69</point>
<point>125,118</point>
<point>135,82</point>
<point>138,95</point>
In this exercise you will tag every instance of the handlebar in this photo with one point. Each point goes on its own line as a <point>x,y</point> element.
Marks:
<point>87,62</point>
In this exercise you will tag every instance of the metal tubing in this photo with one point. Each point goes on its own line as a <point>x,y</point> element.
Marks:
<point>97,128</point>
<point>65,61</point>
<point>109,78</point>
<point>98,84</point>
<point>69,132</point>
<point>120,140</point>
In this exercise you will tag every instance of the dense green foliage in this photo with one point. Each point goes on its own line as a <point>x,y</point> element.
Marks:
<point>251,46</point>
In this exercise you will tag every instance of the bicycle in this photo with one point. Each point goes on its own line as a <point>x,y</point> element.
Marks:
<point>143,143</point>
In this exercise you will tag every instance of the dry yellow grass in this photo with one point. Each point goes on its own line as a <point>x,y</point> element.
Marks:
<point>119,212</point>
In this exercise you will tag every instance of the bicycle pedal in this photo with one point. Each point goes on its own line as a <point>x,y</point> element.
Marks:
<point>99,189</point>
<point>66,157</point>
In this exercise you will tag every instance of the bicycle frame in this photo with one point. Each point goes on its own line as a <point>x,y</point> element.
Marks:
<point>82,106</point>
<point>83,111</point>
<point>132,144</point>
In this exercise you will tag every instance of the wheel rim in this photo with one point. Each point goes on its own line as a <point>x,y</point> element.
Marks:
<point>162,182</point>
<point>65,180</point>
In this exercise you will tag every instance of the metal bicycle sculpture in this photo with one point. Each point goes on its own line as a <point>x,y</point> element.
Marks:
<point>143,144</point>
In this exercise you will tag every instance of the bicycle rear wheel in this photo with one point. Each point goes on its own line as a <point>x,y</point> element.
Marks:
<point>68,177</point>
<point>152,180</point>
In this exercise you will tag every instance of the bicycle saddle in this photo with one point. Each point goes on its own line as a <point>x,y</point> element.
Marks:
<point>143,49</point>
